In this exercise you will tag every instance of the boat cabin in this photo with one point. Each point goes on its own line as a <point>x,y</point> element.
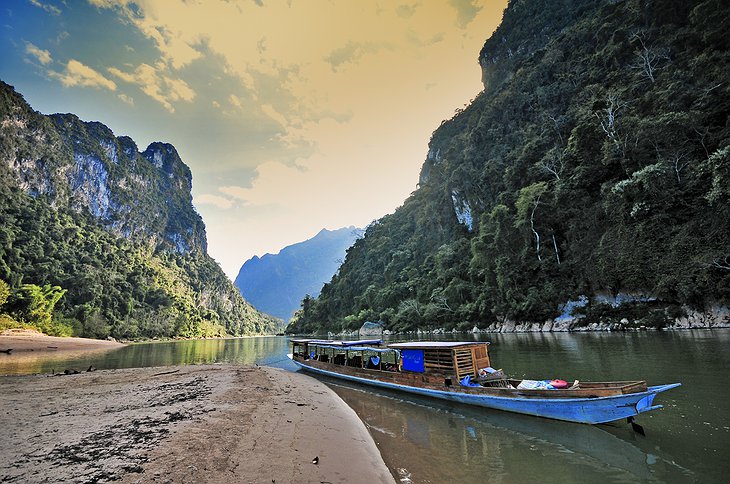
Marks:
<point>443,359</point>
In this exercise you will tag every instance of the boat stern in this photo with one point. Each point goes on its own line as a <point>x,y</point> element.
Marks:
<point>646,404</point>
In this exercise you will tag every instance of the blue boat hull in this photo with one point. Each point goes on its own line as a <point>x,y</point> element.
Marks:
<point>582,410</point>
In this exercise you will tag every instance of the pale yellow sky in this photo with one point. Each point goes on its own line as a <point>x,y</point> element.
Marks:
<point>293,115</point>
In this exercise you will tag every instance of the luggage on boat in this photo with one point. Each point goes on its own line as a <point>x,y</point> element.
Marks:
<point>535,385</point>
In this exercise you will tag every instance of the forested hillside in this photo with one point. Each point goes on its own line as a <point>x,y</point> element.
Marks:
<point>593,168</point>
<point>98,239</point>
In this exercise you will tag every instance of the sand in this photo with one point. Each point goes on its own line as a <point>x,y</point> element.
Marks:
<point>21,341</point>
<point>207,423</point>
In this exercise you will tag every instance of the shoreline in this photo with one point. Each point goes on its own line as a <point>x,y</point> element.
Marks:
<point>23,341</point>
<point>205,423</point>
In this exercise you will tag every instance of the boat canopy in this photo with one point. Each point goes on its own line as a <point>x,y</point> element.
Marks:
<point>429,345</point>
<point>358,348</point>
<point>338,344</point>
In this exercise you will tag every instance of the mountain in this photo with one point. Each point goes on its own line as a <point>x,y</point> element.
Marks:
<point>587,182</point>
<point>277,283</point>
<point>105,234</point>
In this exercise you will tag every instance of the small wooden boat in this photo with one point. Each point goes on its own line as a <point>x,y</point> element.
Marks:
<point>462,372</point>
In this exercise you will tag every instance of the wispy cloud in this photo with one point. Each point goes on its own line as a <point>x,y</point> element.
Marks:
<point>157,84</point>
<point>48,8</point>
<point>42,56</point>
<point>214,200</point>
<point>406,11</point>
<point>126,99</point>
<point>352,52</point>
<point>235,100</point>
<point>466,11</point>
<point>78,74</point>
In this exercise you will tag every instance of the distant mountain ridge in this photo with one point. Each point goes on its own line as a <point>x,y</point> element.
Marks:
<point>277,283</point>
<point>88,212</point>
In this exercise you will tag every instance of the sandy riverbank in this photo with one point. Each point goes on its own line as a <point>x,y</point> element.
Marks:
<point>207,423</point>
<point>23,341</point>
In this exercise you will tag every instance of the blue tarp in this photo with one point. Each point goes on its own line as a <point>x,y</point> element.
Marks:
<point>412,360</point>
<point>466,382</point>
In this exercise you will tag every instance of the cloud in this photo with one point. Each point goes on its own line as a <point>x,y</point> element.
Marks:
<point>406,11</point>
<point>235,100</point>
<point>157,84</point>
<point>78,74</point>
<point>214,200</point>
<point>126,99</point>
<point>352,52</point>
<point>48,8</point>
<point>178,49</point>
<point>43,56</point>
<point>466,11</point>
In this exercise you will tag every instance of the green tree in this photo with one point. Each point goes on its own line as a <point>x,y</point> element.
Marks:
<point>4,292</point>
<point>35,305</point>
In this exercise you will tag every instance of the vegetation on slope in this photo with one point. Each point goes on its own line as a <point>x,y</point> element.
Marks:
<point>83,251</point>
<point>596,161</point>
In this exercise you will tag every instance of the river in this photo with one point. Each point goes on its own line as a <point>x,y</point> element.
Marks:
<point>428,441</point>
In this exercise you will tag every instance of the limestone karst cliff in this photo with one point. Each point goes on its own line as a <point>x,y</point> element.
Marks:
<point>89,212</point>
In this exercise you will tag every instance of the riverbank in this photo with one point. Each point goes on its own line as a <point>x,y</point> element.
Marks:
<point>23,340</point>
<point>206,423</point>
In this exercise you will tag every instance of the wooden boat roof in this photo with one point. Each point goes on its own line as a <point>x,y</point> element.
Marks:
<point>429,345</point>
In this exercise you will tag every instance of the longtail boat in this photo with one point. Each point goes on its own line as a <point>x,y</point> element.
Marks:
<point>462,372</point>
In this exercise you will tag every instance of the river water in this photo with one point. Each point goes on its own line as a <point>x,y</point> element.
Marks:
<point>428,441</point>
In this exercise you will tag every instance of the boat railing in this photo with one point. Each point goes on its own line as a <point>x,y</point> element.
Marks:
<point>366,357</point>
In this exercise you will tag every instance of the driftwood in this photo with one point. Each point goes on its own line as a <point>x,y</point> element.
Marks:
<point>7,351</point>
<point>166,372</point>
<point>67,371</point>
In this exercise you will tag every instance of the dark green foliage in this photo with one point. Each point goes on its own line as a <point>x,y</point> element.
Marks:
<point>116,230</point>
<point>602,135</point>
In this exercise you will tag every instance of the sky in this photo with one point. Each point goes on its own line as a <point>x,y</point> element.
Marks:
<point>293,116</point>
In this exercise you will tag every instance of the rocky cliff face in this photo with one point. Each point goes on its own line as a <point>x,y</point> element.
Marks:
<point>85,167</point>
<point>86,210</point>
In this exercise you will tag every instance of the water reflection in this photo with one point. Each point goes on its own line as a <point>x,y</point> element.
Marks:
<point>269,351</point>
<point>431,441</point>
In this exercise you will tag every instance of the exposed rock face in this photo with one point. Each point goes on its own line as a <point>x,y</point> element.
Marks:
<point>83,166</point>
<point>89,182</point>
<point>462,209</point>
<point>85,210</point>
<point>139,195</point>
